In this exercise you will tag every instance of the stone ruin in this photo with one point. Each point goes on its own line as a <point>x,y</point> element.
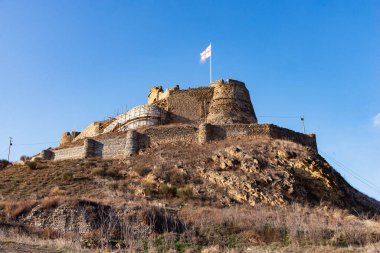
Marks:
<point>219,111</point>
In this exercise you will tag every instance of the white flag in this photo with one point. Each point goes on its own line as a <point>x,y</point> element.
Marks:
<point>206,54</point>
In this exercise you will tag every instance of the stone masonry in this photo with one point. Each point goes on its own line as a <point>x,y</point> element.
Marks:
<point>220,111</point>
<point>123,146</point>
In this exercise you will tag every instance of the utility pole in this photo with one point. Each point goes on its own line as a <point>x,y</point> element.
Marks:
<point>10,145</point>
<point>303,123</point>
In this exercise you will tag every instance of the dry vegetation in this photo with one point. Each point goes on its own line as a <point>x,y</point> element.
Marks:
<point>293,228</point>
<point>190,199</point>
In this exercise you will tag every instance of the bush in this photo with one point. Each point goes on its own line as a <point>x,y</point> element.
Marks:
<point>149,188</point>
<point>185,192</point>
<point>51,202</point>
<point>114,173</point>
<point>103,172</point>
<point>142,171</point>
<point>98,172</point>
<point>176,177</point>
<point>67,175</point>
<point>16,209</point>
<point>31,165</point>
<point>3,163</point>
<point>55,191</point>
<point>168,190</point>
<point>113,185</point>
<point>24,158</point>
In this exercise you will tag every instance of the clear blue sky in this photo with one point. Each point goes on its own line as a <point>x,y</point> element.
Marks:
<point>64,64</point>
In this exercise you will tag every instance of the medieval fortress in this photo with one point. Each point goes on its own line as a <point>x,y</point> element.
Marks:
<point>223,110</point>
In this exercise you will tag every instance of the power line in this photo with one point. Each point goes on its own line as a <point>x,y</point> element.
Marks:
<point>283,117</point>
<point>31,144</point>
<point>2,152</point>
<point>353,173</point>
<point>357,176</point>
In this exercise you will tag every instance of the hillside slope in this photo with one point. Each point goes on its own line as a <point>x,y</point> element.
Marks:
<point>164,189</point>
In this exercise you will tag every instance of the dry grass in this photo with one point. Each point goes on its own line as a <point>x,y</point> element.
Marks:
<point>293,225</point>
<point>261,229</point>
<point>15,209</point>
<point>14,242</point>
<point>166,176</point>
<point>51,202</point>
<point>72,177</point>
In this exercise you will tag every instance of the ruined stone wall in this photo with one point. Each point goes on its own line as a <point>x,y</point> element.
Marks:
<point>308,140</point>
<point>111,148</point>
<point>187,106</point>
<point>68,153</point>
<point>178,135</point>
<point>156,93</point>
<point>122,146</point>
<point>221,132</point>
<point>68,137</point>
<point>90,131</point>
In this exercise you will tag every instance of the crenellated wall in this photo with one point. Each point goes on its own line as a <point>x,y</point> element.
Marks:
<point>129,144</point>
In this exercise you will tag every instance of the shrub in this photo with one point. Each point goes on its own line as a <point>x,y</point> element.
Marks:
<point>168,190</point>
<point>50,202</point>
<point>24,158</point>
<point>3,163</point>
<point>67,175</point>
<point>149,188</point>
<point>31,165</point>
<point>49,233</point>
<point>142,171</point>
<point>185,192</point>
<point>98,172</point>
<point>112,172</point>
<point>102,172</point>
<point>55,191</point>
<point>14,210</point>
<point>88,163</point>
<point>176,177</point>
<point>36,159</point>
<point>113,185</point>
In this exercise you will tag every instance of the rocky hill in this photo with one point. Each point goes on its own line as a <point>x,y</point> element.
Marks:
<point>240,194</point>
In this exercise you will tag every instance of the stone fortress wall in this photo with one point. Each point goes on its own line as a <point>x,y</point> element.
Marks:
<point>220,111</point>
<point>220,103</point>
<point>135,140</point>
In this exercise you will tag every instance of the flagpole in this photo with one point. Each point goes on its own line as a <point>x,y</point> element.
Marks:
<point>210,64</point>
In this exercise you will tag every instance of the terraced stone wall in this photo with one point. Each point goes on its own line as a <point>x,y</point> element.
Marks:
<point>125,145</point>
<point>68,153</point>
<point>178,135</point>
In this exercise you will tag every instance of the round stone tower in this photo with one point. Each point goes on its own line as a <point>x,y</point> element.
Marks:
<point>230,103</point>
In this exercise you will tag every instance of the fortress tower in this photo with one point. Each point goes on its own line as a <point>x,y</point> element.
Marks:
<point>230,103</point>
<point>220,103</point>
<point>223,110</point>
